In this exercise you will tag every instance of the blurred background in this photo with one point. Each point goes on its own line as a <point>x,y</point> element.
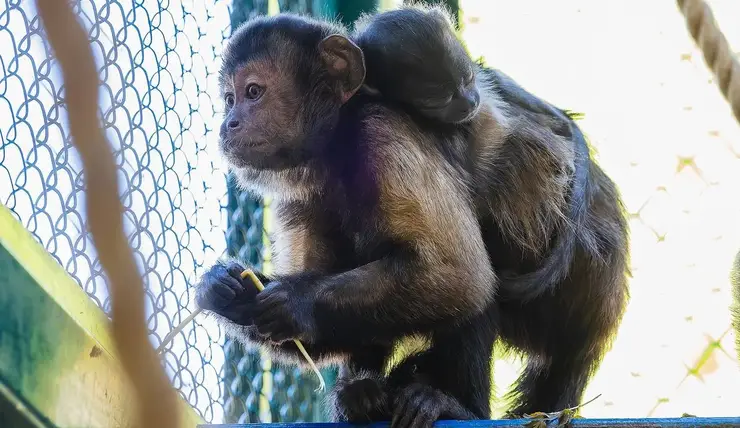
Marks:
<point>663,132</point>
<point>653,113</point>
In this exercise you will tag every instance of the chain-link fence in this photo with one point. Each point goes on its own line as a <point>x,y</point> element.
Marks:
<point>158,64</point>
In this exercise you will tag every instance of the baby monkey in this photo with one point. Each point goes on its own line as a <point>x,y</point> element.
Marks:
<point>413,58</point>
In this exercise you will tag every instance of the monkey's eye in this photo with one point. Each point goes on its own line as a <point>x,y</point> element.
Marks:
<point>439,101</point>
<point>254,91</point>
<point>229,100</point>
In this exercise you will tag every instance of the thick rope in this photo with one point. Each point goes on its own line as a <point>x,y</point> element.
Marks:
<point>155,400</point>
<point>717,53</point>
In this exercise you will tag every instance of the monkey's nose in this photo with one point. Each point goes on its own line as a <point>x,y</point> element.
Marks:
<point>473,98</point>
<point>229,128</point>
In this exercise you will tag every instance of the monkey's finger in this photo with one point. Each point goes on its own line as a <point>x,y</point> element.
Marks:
<point>240,314</point>
<point>267,315</point>
<point>409,414</point>
<point>408,410</point>
<point>271,297</point>
<point>402,406</point>
<point>272,308</point>
<point>221,274</point>
<point>266,328</point>
<point>263,279</point>
<point>397,412</point>
<point>217,296</point>
<point>235,270</point>
<point>276,331</point>
<point>426,416</point>
<point>366,402</point>
<point>454,412</point>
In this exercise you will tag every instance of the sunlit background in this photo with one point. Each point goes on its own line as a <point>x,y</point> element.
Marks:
<point>658,123</point>
<point>664,133</point>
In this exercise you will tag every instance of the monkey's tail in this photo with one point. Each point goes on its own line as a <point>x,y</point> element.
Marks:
<point>735,281</point>
<point>557,264</point>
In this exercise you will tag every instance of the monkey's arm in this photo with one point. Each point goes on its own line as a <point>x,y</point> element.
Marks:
<point>229,298</point>
<point>437,270</point>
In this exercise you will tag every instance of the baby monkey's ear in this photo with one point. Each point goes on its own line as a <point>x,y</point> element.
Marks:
<point>344,61</point>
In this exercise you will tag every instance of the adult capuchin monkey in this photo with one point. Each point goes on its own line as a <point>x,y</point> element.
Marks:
<point>390,226</point>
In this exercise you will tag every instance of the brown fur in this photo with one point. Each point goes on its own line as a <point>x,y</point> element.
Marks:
<point>391,225</point>
<point>400,44</point>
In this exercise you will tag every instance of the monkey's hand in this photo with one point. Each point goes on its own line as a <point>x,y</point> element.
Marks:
<point>420,405</point>
<point>223,291</point>
<point>284,312</point>
<point>362,400</point>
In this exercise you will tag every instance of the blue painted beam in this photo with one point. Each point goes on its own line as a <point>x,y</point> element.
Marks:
<point>584,423</point>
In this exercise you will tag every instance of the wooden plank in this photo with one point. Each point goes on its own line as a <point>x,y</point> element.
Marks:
<point>56,354</point>
<point>584,423</point>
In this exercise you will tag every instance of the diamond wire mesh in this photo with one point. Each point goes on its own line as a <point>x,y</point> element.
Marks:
<point>157,61</point>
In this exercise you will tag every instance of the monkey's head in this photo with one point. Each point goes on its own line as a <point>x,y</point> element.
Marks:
<point>283,82</point>
<point>413,56</point>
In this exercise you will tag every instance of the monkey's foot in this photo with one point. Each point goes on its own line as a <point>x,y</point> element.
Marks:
<point>362,400</point>
<point>541,419</point>
<point>512,415</point>
<point>420,405</point>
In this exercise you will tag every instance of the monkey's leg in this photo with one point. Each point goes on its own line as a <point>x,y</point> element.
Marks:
<point>361,393</point>
<point>565,337</point>
<point>551,386</point>
<point>451,380</point>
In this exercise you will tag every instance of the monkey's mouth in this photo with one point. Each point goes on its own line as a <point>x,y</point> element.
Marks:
<point>238,151</point>
<point>469,116</point>
<point>463,116</point>
<point>251,153</point>
<point>237,144</point>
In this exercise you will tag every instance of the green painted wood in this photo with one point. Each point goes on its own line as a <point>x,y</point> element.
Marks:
<point>16,412</point>
<point>38,341</point>
<point>57,358</point>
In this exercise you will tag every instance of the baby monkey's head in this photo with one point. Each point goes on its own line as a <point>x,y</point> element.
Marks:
<point>413,56</point>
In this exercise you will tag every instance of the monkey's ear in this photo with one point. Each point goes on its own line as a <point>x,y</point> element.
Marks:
<point>343,60</point>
